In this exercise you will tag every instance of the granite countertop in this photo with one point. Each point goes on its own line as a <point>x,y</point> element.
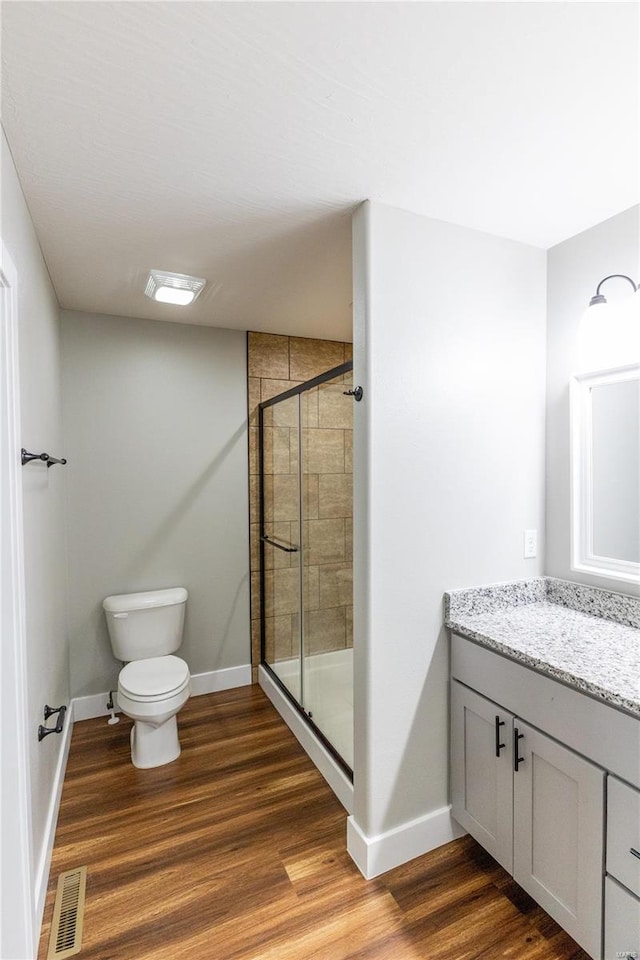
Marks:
<point>582,636</point>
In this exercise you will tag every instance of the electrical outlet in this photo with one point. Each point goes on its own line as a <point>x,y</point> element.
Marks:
<point>530,543</point>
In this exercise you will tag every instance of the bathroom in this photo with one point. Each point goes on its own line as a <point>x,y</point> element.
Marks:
<point>465,360</point>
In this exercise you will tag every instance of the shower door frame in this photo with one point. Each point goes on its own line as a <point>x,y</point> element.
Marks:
<point>287,394</point>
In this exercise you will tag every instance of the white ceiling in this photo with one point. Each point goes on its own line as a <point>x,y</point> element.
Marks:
<point>233,140</point>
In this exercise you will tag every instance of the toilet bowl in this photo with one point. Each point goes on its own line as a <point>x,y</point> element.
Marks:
<point>151,692</point>
<point>145,629</point>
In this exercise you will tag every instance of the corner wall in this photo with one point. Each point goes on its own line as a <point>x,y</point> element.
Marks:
<point>449,346</point>
<point>155,419</point>
<point>43,515</point>
<point>574,269</point>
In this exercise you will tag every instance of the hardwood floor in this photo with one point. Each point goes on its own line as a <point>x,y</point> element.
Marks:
<point>236,851</point>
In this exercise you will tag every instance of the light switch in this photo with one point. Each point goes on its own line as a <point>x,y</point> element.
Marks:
<point>530,543</point>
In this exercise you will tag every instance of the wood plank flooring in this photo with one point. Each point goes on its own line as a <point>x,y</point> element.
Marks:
<point>236,851</point>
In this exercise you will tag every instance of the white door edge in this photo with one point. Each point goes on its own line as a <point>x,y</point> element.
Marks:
<point>18,937</point>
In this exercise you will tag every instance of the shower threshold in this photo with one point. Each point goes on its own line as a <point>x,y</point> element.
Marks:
<point>328,668</point>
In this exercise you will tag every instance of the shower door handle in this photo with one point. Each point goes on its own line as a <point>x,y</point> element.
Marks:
<point>280,546</point>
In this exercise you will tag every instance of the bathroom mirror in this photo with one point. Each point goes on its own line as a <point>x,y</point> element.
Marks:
<point>605,440</point>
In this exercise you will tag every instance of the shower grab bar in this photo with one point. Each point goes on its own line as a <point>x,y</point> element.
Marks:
<point>27,457</point>
<point>280,546</point>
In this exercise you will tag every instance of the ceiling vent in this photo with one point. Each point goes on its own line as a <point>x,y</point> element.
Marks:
<point>176,288</point>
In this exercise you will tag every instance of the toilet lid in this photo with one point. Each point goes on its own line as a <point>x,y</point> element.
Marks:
<point>153,678</point>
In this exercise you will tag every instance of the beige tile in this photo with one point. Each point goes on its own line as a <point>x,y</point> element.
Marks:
<point>335,495</point>
<point>309,407</point>
<point>334,409</point>
<point>278,638</point>
<point>253,400</point>
<point>335,585</point>
<point>310,496</point>
<point>283,533</point>
<point>348,451</point>
<point>310,358</point>
<point>284,413</point>
<point>286,592</point>
<point>254,546</point>
<point>270,388</point>
<point>268,356</point>
<point>267,599</point>
<point>254,674</point>
<point>255,642</point>
<point>348,629</point>
<point>325,630</point>
<point>282,497</point>
<point>277,445</point>
<point>311,587</point>
<point>324,541</point>
<point>254,498</point>
<point>323,451</point>
<point>348,352</point>
<point>255,596</point>
<point>348,539</point>
<point>254,466</point>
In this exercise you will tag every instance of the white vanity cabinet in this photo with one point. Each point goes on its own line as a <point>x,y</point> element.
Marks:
<point>622,885</point>
<point>536,806</point>
<point>547,821</point>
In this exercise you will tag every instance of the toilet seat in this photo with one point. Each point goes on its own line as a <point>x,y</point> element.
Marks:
<point>156,678</point>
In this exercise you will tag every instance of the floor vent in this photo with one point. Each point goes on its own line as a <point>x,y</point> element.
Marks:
<point>68,914</point>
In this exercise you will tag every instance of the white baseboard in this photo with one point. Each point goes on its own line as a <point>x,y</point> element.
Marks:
<point>215,680</point>
<point>44,861</point>
<point>95,705</point>
<point>87,708</point>
<point>376,855</point>
<point>330,770</point>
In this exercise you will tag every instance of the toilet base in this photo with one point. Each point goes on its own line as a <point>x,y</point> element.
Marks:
<point>153,745</point>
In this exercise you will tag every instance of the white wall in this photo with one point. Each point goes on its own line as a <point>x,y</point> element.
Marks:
<point>43,503</point>
<point>156,434</point>
<point>449,346</point>
<point>574,269</point>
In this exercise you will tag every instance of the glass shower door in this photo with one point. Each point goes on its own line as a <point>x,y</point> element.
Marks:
<point>306,552</point>
<point>327,565</point>
<point>280,542</point>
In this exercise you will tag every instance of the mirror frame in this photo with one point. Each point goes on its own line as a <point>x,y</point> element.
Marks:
<point>583,558</point>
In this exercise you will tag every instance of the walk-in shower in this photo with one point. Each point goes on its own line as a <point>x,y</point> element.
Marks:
<point>306,554</point>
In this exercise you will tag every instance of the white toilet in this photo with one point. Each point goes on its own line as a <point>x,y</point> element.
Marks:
<point>145,629</point>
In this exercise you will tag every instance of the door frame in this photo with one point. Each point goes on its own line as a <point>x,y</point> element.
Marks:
<point>18,936</point>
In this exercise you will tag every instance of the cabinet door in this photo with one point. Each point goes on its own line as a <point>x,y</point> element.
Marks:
<point>558,834</point>
<point>481,771</point>
<point>622,922</point>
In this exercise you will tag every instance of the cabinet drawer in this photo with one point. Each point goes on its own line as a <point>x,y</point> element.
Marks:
<point>623,834</point>
<point>622,922</point>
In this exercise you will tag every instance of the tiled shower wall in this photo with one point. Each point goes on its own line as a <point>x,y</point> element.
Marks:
<point>275,364</point>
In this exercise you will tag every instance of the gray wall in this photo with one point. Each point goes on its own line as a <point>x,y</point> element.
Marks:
<point>449,345</point>
<point>43,501</point>
<point>156,435</point>
<point>574,269</point>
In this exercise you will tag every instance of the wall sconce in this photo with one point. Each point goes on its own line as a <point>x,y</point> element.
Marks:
<point>610,332</point>
<point>599,298</point>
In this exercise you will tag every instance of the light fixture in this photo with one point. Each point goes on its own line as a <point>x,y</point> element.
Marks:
<point>176,288</point>
<point>610,332</point>
<point>598,298</point>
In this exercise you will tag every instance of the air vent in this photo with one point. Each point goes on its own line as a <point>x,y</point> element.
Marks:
<point>68,914</point>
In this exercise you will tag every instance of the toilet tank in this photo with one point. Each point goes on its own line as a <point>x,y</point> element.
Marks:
<point>143,625</point>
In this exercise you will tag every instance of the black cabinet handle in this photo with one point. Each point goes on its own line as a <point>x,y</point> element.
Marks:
<point>517,760</point>
<point>499,746</point>
<point>635,852</point>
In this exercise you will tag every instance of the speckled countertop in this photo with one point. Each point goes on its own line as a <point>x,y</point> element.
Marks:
<point>585,637</point>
